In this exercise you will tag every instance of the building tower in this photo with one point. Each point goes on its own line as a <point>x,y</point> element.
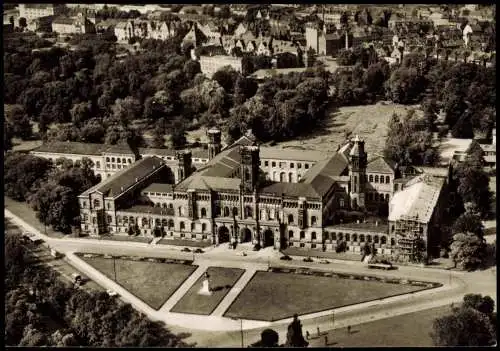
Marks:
<point>184,165</point>
<point>214,142</point>
<point>249,168</point>
<point>357,171</point>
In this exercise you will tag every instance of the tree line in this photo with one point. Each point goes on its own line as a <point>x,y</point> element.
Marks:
<point>41,310</point>
<point>51,189</point>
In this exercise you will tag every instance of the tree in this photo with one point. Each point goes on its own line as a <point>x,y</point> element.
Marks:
<point>473,185</point>
<point>465,327</point>
<point>178,135</point>
<point>33,337</point>
<point>483,304</point>
<point>80,113</point>
<point>93,132</point>
<point>469,223</point>
<point>268,338</point>
<point>23,174</point>
<point>468,251</point>
<point>19,121</point>
<point>226,77</point>
<point>8,134</point>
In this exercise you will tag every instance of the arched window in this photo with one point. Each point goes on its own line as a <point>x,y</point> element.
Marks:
<point>347,237</point>
<point>313,236</point>
<point>98,164</point>
<point>354,237</point>
<point>290,234</point>
<point>171,206</point>
<point>369,238</point>
<point>118,219</point>
<point>145,221</point>
<point>275,179</point>
<point>125,220</point>
<point>375,239</point>
<point>164,205</point>
<point>382,179</point>
<point>203,212</point>
<point>290,218</point>
<point>118,160</point>
<point>131,220</point>
<point>361,238</point>
<point>226,211</point>
<point>340,236</point>
<point>164,223</point>
<point>170,223</point>
<point>112,159</point>
<point>371,178</point>
<point>97,203</point>
<point>157,222</point>
<point>341,203</point>
<point>107,159</point>
<point>386,197</point>
<point>235,211</point>
<point>192,226</point>
<point>203,227</point>
<point>334,236</point>
<point>290,175</point>
<point>383,240</point>
<point>376,179</point>
<point>282,177</point>
<point>393,242</point>
<point>182,225</point>
<point>124,160</point>
<point>387,179</point>
<point>313,220</point>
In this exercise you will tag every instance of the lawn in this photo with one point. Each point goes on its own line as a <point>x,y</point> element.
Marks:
<point>151,282</point>
<point>272,296</point>
<point>295,251</point>
<point>181,242</point>
<point>130,238</point>
<point>221,281</point>
<point>369,122</point>
<point>407,330</point>
<point>23,211</point>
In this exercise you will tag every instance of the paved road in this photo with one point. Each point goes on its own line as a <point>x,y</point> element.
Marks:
<point>226,332</point>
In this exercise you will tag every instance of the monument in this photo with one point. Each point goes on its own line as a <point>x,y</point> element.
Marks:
<point>205,288</point>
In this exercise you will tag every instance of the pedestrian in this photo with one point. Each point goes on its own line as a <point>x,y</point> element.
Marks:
<point>326,340</point>
<point>307,334</point>
<point>348,329</point>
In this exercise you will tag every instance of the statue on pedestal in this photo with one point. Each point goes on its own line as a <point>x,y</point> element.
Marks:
<point>205,288</point>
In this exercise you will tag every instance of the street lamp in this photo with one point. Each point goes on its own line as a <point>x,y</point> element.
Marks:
<point>241,329</point>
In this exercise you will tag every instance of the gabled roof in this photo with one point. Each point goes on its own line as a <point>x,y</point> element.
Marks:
<point>291,154</point>
<point>119,182</point>
<point>324,174</point>
<point>66,147</point>
<point>292,190</point>
<point>159,188</point>
<point>380,165</point>
<point>417,200</point>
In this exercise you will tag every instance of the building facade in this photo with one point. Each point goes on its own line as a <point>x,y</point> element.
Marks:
<point>227,200</point>
<point>211,64</point>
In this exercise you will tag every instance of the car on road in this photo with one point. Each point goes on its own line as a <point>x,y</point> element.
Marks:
<point>285,258</point>
<point>111,292</point>
<point>308,259</point>
<point>186,249</point>
<point>324,261</point>
<point>199,251</point>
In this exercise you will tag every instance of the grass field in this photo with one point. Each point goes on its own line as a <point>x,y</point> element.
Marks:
<point>151,282</point>
<point>22,210</point>
<point>407,330</point>
<point>221,281</point>
<point>272,296</point>
<point>129,238</point>
<point>369,122</point>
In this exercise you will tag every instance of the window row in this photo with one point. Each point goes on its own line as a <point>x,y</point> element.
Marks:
<point>377,197</point>
<point>156,222</point>
<point>376,179</point>
<point>119,160</point>
<point>284,164</point>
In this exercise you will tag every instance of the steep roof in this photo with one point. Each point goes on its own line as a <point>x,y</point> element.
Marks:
<point>119,182</point>
<point>380,165</point>
<point>324,174</point>
<point>418,199</point>
<point>159,188</point>
<point>291,189</point>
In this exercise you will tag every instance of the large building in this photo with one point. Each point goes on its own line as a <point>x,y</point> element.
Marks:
<point>34,11</point>
<point>211,64</point>
<point>328,199</point>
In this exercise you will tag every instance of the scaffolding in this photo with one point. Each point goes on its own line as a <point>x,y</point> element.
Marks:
<point>408,230</point>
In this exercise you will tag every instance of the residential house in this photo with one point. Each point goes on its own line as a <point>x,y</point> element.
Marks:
<point>121,32</point>
<point>240,30</point>
<point>264,46</point>
<point>34,11</point>
<point>282,46</point>
<point>211,64</point>
<point>194,37</point>
<point>41,24</point>
<point>397,55</point>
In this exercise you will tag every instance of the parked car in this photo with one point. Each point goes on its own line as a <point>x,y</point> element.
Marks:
<point>186,249</point>
<point>111,292</point>
<point>199,251</point>
<point>324,261</point>
<point>285,258</point>
<point>308,259</point>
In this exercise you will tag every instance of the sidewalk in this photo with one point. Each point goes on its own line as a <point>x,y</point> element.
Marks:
<point>183,289</point>
<point>234,292</point>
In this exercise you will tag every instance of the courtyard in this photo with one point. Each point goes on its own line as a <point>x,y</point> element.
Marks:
<point>271,296</point>
<point>151,282</point>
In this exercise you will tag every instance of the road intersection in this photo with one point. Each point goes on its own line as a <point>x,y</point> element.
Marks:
<point>216,330</point>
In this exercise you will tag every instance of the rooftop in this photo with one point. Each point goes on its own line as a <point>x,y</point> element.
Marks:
<point>124,179</point>
<point>418,199</point>
<point>369,226</point>
<point>159,188</point>
<point>66,147</point>
<point>149,209</point>
<point>451,145</point>
<point>291,154</point>
<point>291,189</point>
<point>380,165</point>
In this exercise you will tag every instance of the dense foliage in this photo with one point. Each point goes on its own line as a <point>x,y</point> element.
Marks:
<point>471,324</point>
<point>41,310</point>
<point>51,191</point>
